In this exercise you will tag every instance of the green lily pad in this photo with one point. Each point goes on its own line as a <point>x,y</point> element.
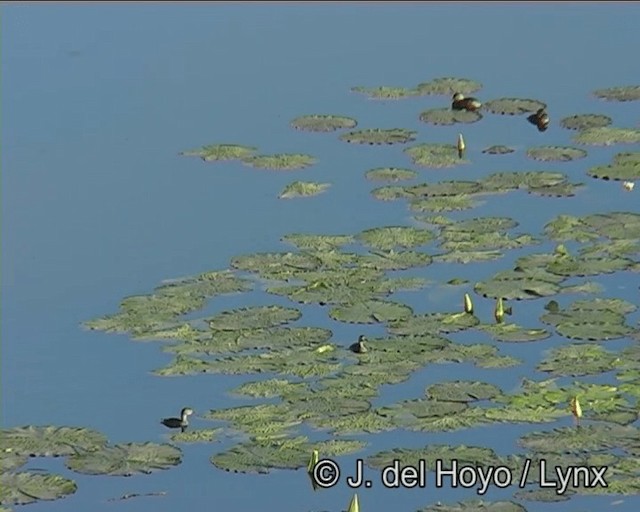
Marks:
<point>387,238</point>
<point>446,116</point>
<point>303,189</point>
<point>262,421</point>
<point>625,93</point>
<point>467,256</point>
<point>370,311</point>
<point>281,161</point>
<point>618,172</point>
<point>588,265</point>
<point>449,85</point>
<point>204,435</point>
<point>627,158</point>
<point>513,106</point>
<point>498,150</point>
<point>269,388</point>
<point>555,153</point>
<point>593,331</point>
<point>462,391</point>
<point>503,181</point>
<point>405,413</point>
<point>559,190</point>
<point>584,121</point>
<point>50,441</point>
<point>516,289</point>
<point>392,260</point>
<point>390,193</point>
<point>586,439</point>
<point>308,242</point>
<point>544,495</point>
<point>368,421</point>
<point>433,453</point>
<point>433,323</point>
<point>11,460</point>
<point>323,123</point>
<point>576,360</point>
<point>391,174</point>
<point>435,155</point>
<point>606,136</point>
<point>379,136</point>
<point>253,318</point>
<point>218,152</point>
<point>385,93</point>
<point>476,506</point>
<point>442,203</point>
<point>515,334</point>
<point>29,487</point>
<point>482,225</point>
<point>444,188</point>
<point>125,459</point>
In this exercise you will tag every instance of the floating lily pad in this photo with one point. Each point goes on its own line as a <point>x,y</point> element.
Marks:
<point>11,460</point>
<point>276,265</point>
<point>282,161</point>
<point>462,391</point>
<point>391,174</point>
<point>370,311</point>
<point>498,150</point>
<point>442,203</point>
<point>432,453</point>
<point>556,153</point>
<point>544,495</point>
<point>476,506</point>
<point>584,121</point>
<point>514,333</point>
<point>262,421</point>
<point>626,93</point>
<point>50,441</point>
<point>390,193</point>
<point>449,85</point>
<point>627,158</point>
<point>29,487</point>
<point>253,318</point>
<point>323,123</point>
<point>446,116</point>
<point>513,106</point>
<point>217,152</point>
<point>516,289</point>
<point>368,421</point>
<point>379,136</point>
<point>625,171</point>
<point>588,265</point>
<point>385,93</point>
<point>303,189</point>
<point>503,181</point>
<point>577,360</point>
<point>387,238</point>
<point>269,388</point>
<point>317,242</point>
<point>205,435</point>
<point>606,136</point>
<point>392,260</point>
<point>586,439</point>
<point>444,188</point>
<point>435,155</point>
<point>125,459</point>
<point>433,323</point>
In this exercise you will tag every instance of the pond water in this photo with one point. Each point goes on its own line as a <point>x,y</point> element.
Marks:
<point>98,204</point>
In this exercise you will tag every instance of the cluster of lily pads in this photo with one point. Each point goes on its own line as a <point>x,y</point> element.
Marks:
<point>313,380</point>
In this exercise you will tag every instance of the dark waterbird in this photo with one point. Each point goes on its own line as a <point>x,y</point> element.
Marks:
<point>461,103</point>
<point>182,422</point>
<point>358,347</point>
<point>540,119</point>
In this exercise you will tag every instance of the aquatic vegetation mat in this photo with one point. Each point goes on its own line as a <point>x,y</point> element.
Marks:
<point>391,174</point>
<point>49,441</point>
<point>584,121</point>
<point>607,136</point>
<point>385,92</point>
<point>624,93</point>
<point>626,166</point>
<point>323,123</point>
<point>446,116</point>
<point>379,136</point>
<point>218,152</point>
<point>498,150</point>
<point>435,155</point>
<point>555,153</point>
<point>513,106</point>
<point>281,161</point>
<point>449,86</point>
<point>30,487</point>
<point>303,189</point>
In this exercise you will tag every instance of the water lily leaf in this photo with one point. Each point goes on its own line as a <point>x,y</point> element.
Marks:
<point>469,417</point>
<point>462,391</point>
<point>444,188</point>
<point>625,93</point>
<point>516,289</point>
<point>218,152</point>
<point>10,460</point>
<point>618,172</point>
<point>433,323</point>
<point>514,333</point>
<point>464,455</point>
<point>584,121</point>
<point>368,421</point>
<point>498,150</point>
<point>125,459</point>
<point>568,227</point>
<point>615,225</point>
<point>442,204</point>
<point>391,260</point>
<point>593,331</point>
<point>204,435</point>
<point>379,136</point>
<point>476,506</point>
<point>627,158</point>
<point>387,238</point>
<point>323,123</point>
<point>317,242</point>
<point>29,487</point>
<point>588,265</point>
<point>544,495</point>
<point>261,421</point>
<point>559,190</point>
<point>269,388</point>
<point>253,318</point>
<point>435,155</point>
<point>390,193</point>
<point>504,181</point>
<point>303,189</point>
<point>385,93</point>
<point>370,311</point>
<point>482,225</point>
<point>555,153</point>
<point>576,360</point>
<point>449,85</point>
<point>446,116</point>
<point>281,161</point>
<point>467,256</point>
<point>391,174</point>
<point>50,441</point>
<point>586,439</point>
<point>513,106</point>
<point>405,413</point>
<point>607,135</point>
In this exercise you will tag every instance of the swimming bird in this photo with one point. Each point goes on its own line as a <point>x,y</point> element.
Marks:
<point>358,347</point>
<point>182,422</point>
<point>461,103</point>
<point>540,119</point>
